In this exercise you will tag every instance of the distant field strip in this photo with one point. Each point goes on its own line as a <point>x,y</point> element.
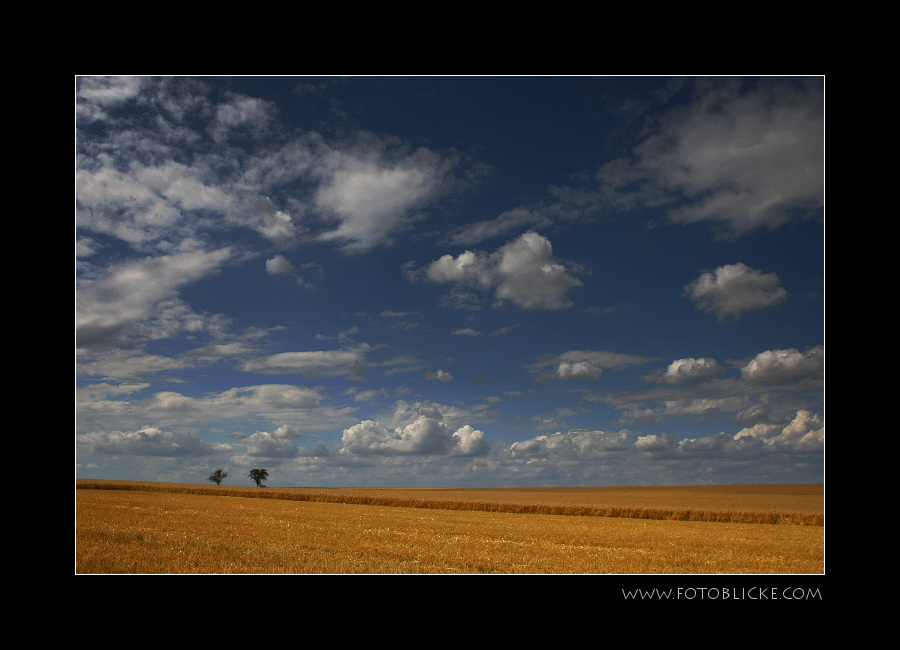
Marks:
<point>790,505</point>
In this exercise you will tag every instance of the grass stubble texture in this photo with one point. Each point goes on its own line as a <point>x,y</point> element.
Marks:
<point>125,527</point>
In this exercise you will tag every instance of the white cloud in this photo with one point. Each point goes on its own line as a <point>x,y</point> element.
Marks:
<point>237,402</point>
<point>147,441</point>
<point>108,90</point>
<point>103,390</point>
<point>806,432</point>
<point>553,419</point>
<point>720,442</point>
<point>468,268</point>
<point>172,316</point>
<point>167,204</point>
<point>260,214</point>
<point>584,364</point>
<point>522,271</point>
<point>467,441</point>
<point>191,177</point>
<point>159,183</point>
<point>735,288</point>
<point>241,114</point>
<point>278,265</point>
<point>653,442</point>
<point>281,443</point>
<point>566,205</point>
<point>426,435</point>
<point>687,370</point>
<point>582,445</point>
<point>514,219</point>
<point>704,405</point>
<point>632,415</point>
<point>123,365</point>
<point>440,375</point>
<point>776,366</point>
<point>454,416</point>
<point>373,197</point>
<point>370,395</point>
<point>531,277</point>
<point>108,307</point>
<point>740,159</point>
<point>314,363</point>
<point>235,408</point>
<point>95,94</point>
<point>579,370</point>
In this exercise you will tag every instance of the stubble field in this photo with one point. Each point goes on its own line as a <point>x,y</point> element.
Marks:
<point>153,528</point>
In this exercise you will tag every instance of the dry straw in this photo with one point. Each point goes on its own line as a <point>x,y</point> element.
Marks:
<point>398,501</point>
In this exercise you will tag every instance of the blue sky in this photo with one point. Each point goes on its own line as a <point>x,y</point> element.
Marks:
<point>450,281</point>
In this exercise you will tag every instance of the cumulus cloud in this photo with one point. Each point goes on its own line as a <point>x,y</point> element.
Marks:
<point>776,366</point>
<point>278,265</point>
<point>687,370</point>
<point>653,442</point>
<point>579,370</point>
<point>468,441</point>
<point>426,435</point>
<point>806,432</point>
<point>735,288</point>
<point>453,415</point>
<point>522,271</point>
<point>531,277</point>
<point>470,267</point>
<point>281,443</point>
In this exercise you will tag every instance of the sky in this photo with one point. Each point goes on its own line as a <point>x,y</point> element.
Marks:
<point>438,281</point>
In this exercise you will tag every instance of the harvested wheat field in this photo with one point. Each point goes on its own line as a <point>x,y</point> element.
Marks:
<point>153,528</point>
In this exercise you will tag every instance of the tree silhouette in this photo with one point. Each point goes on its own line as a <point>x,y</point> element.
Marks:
<point>217,477</point>
<point>259,475</point>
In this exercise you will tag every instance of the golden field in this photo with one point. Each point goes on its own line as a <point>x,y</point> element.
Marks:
<point>150,528</point>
